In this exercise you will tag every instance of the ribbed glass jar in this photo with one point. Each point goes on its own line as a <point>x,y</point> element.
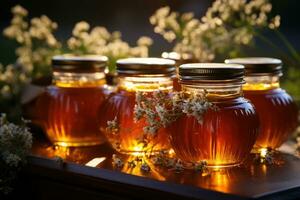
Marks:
<point>227,133</point>
<point>276,109</point>
<point>145,75</point>
<point>70,104</point>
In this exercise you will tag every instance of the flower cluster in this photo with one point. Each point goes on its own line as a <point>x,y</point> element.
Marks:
<point>226,26</point>
<point>113,126</point>
<point>265,156</point>
<point>11,80</point>
<point>37,43</point>
<point>15,144</point>
<point>163,160</point>
<point>161,109</point>
<point>99,41</point>
<point>154,108</point>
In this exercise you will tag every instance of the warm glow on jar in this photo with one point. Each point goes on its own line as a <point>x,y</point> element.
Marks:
<point>227,134</point>
<point>77,80</point>
<point>276,109</point>
<point>136,75</point>
<point>70,104</point>
<point>261,83</point>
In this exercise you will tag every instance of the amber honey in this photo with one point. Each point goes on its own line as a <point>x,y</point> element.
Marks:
<point>278,115</point>
<point>71,115</point>
<point>121,105</point>
<point>276,109</point>
<point>145,75</point>
<point>70,105</point>
<point>228,132</point>
<point>224,139</point>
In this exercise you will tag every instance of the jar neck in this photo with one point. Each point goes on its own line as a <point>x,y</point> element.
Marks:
<point>78,80</point>
<point>215,92</point>
<point>145,83</point>
<point>261,82</point>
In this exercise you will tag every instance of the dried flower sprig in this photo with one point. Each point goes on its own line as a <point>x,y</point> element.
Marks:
<point>226,26</point>
<point>145,167</point>
<point>154,108</point>
<point>265,156</point>
<point>201,166</point>
<point>163,159</point>
<point>161,109</point>
<point>15,144</point>
<point>99,41</point>
<point>117,162</point>
<point>113,126</point>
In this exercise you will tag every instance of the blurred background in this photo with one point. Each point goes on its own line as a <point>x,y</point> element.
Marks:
<point>129,17</point>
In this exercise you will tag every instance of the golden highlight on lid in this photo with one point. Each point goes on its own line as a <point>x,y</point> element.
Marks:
<point>260,66</point>
<point>71,57</point>
<point>145,66</point>
<point>145,61</point>
<point>79,64</point>
<point>254,60</point>
<point>210,66</point>
<point>211,72</point>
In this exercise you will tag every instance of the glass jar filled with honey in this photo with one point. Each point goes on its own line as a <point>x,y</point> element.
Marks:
<point>117,118</point>
<point>179,60</point>
<point>276,109</point>
<point>70,105</point>
<point>227,131</point>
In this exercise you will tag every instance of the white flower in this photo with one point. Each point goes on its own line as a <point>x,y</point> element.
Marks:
<point>226,25</point>
<point>144,41</point>
<point>19,10</point>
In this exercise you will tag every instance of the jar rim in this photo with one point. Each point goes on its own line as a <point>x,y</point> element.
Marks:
<point>258,66</point>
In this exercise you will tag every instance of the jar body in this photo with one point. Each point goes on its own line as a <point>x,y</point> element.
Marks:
<point>70,113</point>
<point>120,106</point>
<point>225,138</point>
<point>277,111</point>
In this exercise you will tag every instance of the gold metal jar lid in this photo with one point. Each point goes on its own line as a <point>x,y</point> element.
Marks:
<point>145,66</point>
<point>79,64</point>
<point>258,66</point>
<point>211,72</point>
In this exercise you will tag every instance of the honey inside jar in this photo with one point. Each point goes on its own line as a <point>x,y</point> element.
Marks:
<point>70,105</point>
<point>276,108</point>
<point>228,133</point>
<point>145,75</point>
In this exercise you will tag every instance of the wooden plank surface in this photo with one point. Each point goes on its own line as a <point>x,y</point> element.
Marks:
<point>250,181</point>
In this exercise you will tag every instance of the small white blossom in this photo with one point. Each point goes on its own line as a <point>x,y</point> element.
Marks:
<point>117,162</point>
<point>145,167</point>
<point>113,126</point>
<point>226,25</point>
<point>15,144</point>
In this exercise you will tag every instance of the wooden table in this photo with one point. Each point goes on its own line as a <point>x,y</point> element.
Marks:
<point>46,177</point>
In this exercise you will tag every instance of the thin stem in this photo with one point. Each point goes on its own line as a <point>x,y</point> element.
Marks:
<point>289,46</point>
